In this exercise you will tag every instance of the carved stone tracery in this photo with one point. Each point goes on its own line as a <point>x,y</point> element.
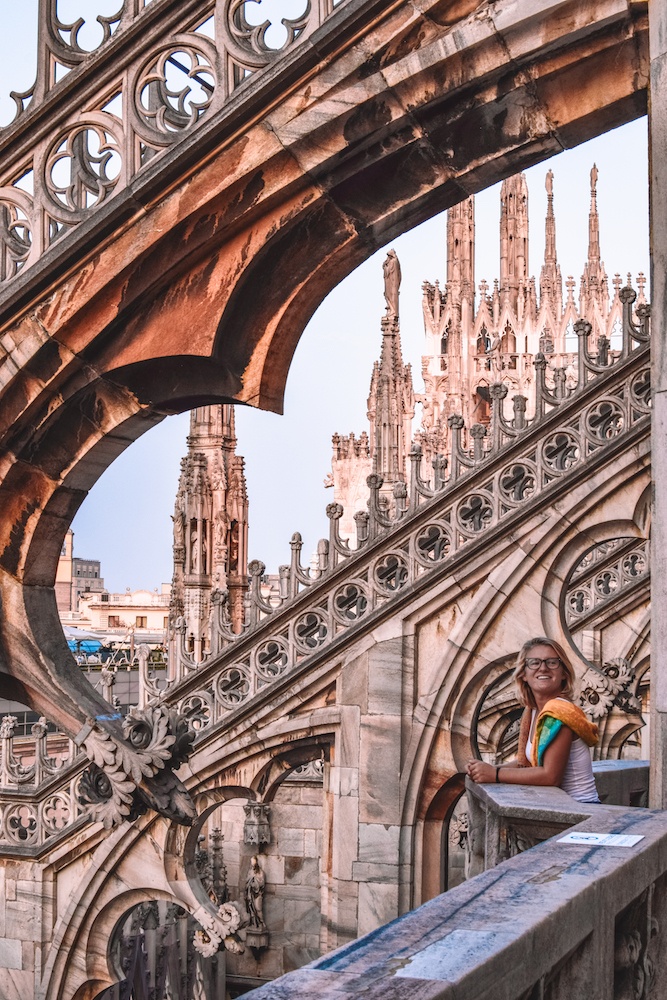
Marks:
<point>145,110</point>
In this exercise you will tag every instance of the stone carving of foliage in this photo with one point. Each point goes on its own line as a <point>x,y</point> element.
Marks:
<point>154,738</point>
<point>229,919</point>
<point>597,697</point>
<point>602,689</point>
<point>206,942</point>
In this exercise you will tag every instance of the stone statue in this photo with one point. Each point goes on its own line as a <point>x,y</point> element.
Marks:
<point>204,550</point>
<point>194,550</point>
<point>549,183</point>
<point>392,281</point>
<point>494,354</point>
<point>254,894</point>
<point>179,530</point>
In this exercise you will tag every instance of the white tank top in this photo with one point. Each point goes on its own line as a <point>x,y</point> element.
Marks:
<point>578,780</point>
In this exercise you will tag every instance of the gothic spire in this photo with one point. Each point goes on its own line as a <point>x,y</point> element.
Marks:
<point>391,397</point>
<point>594,299</point>
<point>550,225</point>
<point>513,237</point>
<point>551,282</point>
<point>594,224</point>
<point>461,250</point>
<point>210,525</point>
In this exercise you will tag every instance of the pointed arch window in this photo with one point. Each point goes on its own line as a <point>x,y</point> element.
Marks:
<point>508,340</point>
<point>481,405</point>
<point>483,340</point>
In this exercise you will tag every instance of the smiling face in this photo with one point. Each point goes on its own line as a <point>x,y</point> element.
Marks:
<point>546,680</point>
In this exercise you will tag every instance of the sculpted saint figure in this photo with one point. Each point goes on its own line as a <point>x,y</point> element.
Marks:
<point>392,281</point>
<point>254,893</point>
<point>179,530</point>
<point>549,183</point>
<point>494,354</point>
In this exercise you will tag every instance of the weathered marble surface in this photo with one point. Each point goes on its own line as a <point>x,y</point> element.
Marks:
<point>554,901</point>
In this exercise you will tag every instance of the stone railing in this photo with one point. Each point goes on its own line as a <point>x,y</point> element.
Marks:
<point>39,776</point>
<point>613,566</point>
<point>96,119</point>
<point>560,920</point>
<point>505,820</point>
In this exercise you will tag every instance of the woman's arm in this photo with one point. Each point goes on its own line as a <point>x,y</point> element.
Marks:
<point>550,772</point>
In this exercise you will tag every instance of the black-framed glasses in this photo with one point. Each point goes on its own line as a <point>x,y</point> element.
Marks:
<point>550,662</point>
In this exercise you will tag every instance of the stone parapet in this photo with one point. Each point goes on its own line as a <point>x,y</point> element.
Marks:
<point>559,920</point>
<point>505,820</point>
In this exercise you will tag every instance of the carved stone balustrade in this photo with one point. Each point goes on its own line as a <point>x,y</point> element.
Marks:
<point>505,820</point>
<point>128,110</point>
<point>560,920</point>
<point>477,497</point>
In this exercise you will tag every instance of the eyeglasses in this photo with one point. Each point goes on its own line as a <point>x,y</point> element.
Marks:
<point>551,663</point>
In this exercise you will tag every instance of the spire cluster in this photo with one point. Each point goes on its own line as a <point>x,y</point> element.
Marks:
<point>474,342</point>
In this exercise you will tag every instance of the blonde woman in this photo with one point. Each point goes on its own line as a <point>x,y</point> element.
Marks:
<point>555,736</point>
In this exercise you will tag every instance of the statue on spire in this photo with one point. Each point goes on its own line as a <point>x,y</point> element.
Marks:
<point>549,183</point>
<point>594,179</point>
<point>392,281</point>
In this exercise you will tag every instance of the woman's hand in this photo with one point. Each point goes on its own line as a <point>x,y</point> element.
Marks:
<point>481,772</point>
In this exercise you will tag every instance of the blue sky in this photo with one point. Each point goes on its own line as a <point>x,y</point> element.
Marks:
<point>126,520</point>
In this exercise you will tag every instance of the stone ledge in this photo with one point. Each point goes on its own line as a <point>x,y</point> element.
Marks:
<point>556,903</point>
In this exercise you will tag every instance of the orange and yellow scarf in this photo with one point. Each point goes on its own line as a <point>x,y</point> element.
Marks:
<point>556,713</point>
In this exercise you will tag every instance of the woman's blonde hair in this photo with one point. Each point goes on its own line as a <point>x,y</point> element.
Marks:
<point>524,693</point>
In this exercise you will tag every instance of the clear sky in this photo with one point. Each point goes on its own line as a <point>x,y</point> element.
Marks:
<point>126,520</point>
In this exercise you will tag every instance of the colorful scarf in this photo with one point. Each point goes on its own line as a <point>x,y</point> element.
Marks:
<point>556,713</point>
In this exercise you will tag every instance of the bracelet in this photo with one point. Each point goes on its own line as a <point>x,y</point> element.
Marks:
<point>497,772</point>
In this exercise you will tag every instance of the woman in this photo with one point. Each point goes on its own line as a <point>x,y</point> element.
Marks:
<point>555,734</point>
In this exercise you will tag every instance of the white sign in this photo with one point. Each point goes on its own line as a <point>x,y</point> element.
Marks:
<point>602,839</point>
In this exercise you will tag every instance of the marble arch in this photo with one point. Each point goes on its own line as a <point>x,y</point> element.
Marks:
<point>250,235</point>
